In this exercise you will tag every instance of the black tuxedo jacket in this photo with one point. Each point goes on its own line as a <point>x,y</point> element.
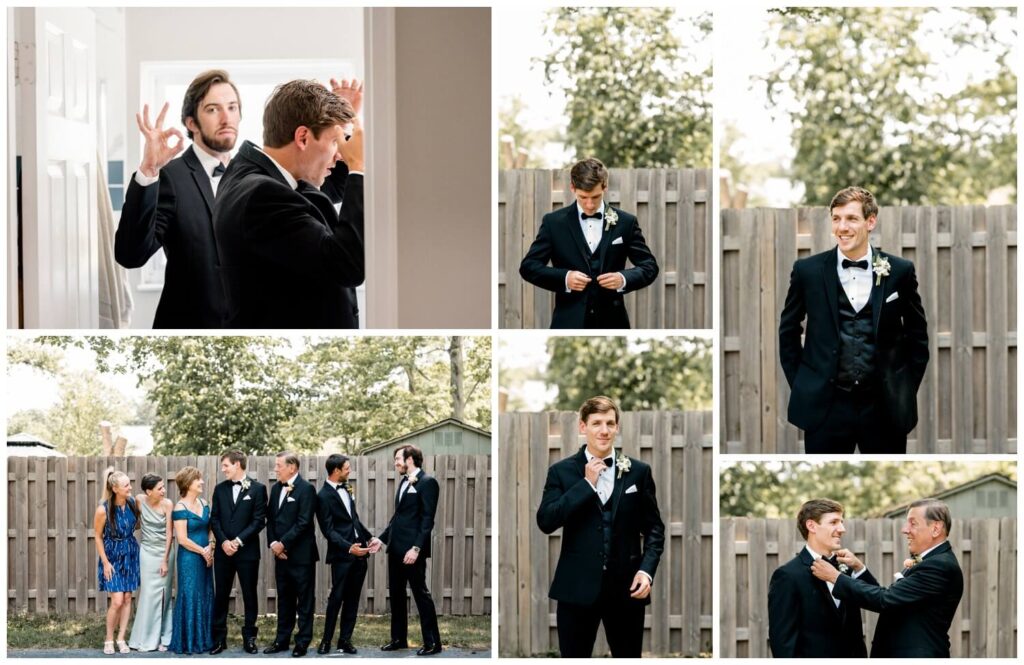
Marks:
<point>560,242</point>
<point>288,260</point>
<point>915,612</point>
<point>292,523</point>
<point>901,339</point>
<point>338,525</point>
<point>175,213</point>
<point>413,520</point>
<point>638,534</point>
<point>244,520</point>
<point>803,620</point>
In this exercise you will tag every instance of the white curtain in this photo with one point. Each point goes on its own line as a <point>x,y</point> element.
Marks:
<point>115,296</point>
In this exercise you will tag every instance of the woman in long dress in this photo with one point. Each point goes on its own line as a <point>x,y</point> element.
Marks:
<point>193,608</point>
<point>152,628</point>
<point>117,570</point>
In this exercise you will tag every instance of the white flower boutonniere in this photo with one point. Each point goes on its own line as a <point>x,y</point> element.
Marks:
<point>622,464</point>
<point>245,483</point>
<point>351,491</point>
<point>843,568</point>
<point>288,487</point>
<point>610,217</point>
<point>881,268</point>
<point>412,477</point>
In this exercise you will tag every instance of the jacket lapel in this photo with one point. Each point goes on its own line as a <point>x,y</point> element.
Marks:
<point>606,238</point>
<point>877,292</point>
<point>830,279</point>
<point>200,177</point>
<point>619,485</point>
<point>820,585</point>
<point>572,219</point>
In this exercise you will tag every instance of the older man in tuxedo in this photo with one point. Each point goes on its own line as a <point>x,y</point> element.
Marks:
<point>854,376</point>
<point>587,245</point>
<point>169,202</point>
<point>916,611</point>
<point>292,540</point>
<point>348,545</point>
<point>805,618</point>
<point>287,257</point>
<point>612,538</point>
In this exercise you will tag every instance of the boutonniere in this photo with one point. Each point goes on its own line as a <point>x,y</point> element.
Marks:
<point>412,478</point>
<point>288,487</point>
<point>843,568</point>
<point>610,217</point>
<point>912,561</point>
<point>245,483</point>
<point>881,268</point>
<point>351,490</point>
<point>622,464</point>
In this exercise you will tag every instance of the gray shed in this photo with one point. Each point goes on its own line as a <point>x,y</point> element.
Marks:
<point>24,444</point>
<point>448,437</point>
<point>993,495</point>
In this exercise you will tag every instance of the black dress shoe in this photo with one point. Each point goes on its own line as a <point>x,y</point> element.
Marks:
<point>429,649</point>
<point>276,648</point>
<point>250,645</point>
<point>346,646</point>
<point>323,648</point>
<point>218,648</point>
<point>395,645</point>
<point>299,652</point>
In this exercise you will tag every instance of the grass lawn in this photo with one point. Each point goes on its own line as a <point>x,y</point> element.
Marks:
<point>33,631</point>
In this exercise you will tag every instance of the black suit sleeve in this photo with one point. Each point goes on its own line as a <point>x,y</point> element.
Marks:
<point>334,185</point>
<point>534,267</point>
<point>557,505</point>
<point>791,327</point>
<point>645,266</point>
<point>144,219</point>
<point>281,231</point>
<point>783,614</point>
<point>929,581</point>
<point>215,525</point>
<point>428,500</point>
<point>272,515</point>
<point>259,514</point>
<point>915,327</point>
<point>653,528</point>
<point>306,496</point>
<point>326,521</point>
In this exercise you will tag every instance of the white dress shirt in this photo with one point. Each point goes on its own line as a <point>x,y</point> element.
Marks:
<point>280,500</point>
<point>856,282</point>
<point>346,498</point>
<point>208,161</point>
<point>606,479</point>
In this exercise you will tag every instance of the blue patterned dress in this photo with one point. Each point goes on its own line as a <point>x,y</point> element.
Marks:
<point>122,549</point>
<point>193,606</point>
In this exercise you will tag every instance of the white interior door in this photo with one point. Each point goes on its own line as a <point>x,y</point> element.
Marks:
<point>57,133</point>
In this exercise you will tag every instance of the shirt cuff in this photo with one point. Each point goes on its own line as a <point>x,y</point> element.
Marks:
<point>567,289</point>
<point>356,173</point>
<point>650,580</point>
<point>623,283</point>
<point>145,180</point>
<point>858,573</point>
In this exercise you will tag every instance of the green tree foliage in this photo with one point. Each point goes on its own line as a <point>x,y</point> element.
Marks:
<point>519,148</point>
<point>866,489</point>
<point>865,94</point>
<point>633,97</point>
<point>652,374</point>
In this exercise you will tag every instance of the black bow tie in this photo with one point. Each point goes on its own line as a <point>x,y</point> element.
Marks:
<point>236,482</point>
<point>218,170</point>
<point>608,461</point>
<point>596,215</point>
<point>863,264</point>
<point>834,561</point>
<point>343,486</point>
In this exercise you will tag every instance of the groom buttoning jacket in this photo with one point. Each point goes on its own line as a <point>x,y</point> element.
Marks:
<point>855,375</point>
<point>587,245</point>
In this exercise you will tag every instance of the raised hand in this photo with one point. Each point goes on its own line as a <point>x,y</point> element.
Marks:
<point>350,90</point>
<point>847,557</point>
<point>158,149</point>
<point>351,151</point>
<point>593,470</point>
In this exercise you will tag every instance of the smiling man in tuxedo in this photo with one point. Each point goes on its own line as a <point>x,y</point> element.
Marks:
<point>239,515</point>
<point>287,258</point>
<point>408,537</point>
<point>916,610</point>
<point>612,538</point>
<point>291,536</point>
<point>169,202</point>
<point>854,377</point>
<point>805,618</point>
<point>587,244</point>
<point>348,545</point>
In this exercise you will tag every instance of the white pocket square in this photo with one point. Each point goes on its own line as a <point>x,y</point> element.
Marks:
<point>617,241</point>
<point>893,296</point>
<point>411,490</point>
<point>631,490</point>
<point>289,499</point>
<point>246,498</point>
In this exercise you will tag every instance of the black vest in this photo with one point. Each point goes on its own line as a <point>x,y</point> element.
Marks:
<point>606,523</point>
<point>856,343</point>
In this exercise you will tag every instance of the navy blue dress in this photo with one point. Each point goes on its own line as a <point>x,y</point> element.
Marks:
<point>122,549</point>
<point>193,606</point>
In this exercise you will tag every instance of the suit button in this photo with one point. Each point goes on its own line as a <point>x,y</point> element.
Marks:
<point>835,352</point>
<point>831,380</point>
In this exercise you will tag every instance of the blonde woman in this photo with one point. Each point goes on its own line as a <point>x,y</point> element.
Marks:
<point>115,522</point>
<point>193,608</point>
<point>152,628</point>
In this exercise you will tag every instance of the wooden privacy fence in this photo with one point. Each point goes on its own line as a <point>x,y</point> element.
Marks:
<point>51,556</point>
<point>966,262</point>
<point>678,446</point>
<point>673,207</point>
<point>985,624</point>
